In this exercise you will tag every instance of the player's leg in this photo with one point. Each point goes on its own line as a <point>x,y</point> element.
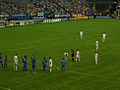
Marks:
<point>25,68</point>
<point>64,68</point>
<point>33,68</point>
<point>15,67</point>
<point>96,47</point>
<point>96,61</point>
<point>76,58</point>
<point>72,58</point>
<point>81,36</point>
<point>44,68</point>
<point>103,39</point>
<point>50,69</point>
<point>79,59</point>
<point>5,66</point>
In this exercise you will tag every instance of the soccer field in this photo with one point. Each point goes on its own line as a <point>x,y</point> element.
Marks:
<point>53,40</point>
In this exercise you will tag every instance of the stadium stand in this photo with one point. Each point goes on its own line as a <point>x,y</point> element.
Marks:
<point>37,9</point>
<point>58,7</point>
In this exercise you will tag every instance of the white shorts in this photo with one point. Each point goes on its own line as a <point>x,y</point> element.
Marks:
<point>96,59</point>
<point>77,56</point>
<point>16,64</point>
<point>50,66</point>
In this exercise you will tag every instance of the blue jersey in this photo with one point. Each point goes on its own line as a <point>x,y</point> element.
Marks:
<point>44,62</point>
<point>63,62</point>
<point>24,60</point>
<point>33,62</point>
<point>0,58</point>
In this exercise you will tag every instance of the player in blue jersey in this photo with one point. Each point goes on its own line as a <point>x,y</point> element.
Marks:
<point>63,64</point>
<point>44,62</point>
<point>24,60</point>
<point>5,62</point>
<point>1,60</point>
<point>33,60</point>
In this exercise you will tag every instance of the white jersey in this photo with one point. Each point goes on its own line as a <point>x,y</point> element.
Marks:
<point>15,59</point>
<point>97,43</point>
<point>104,35</point>
<point>81,33</point>
<point>50,62</point>
<point>96,56</point>
<point>78,54</point>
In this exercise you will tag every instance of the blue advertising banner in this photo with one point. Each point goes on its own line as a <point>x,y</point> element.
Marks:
<point>38,17</point>
<point>105,17</point>
<point>19,16</point>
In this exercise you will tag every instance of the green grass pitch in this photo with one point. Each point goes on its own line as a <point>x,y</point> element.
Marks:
<point>53,40</point>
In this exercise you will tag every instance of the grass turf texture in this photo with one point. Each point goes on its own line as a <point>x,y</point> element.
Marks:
<point>53,40</point>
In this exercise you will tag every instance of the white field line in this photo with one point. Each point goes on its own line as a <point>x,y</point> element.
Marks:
<point>5,88</point>
<point>90,74</point>
<point>96,75</point>
<point>57,67</point>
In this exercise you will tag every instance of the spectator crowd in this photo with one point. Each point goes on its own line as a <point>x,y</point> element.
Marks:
<point>40,7</point>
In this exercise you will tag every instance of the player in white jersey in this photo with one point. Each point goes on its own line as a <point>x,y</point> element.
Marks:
<point>96,58</point>
<point>66,56</point>
<point>50,64</point>
<point>104,37</point>
<point>16,62</point>
<point>78,55</point>
<point>97,44</point>
<point>81,34</point>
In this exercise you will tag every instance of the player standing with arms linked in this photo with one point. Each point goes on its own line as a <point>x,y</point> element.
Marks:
<point>78,55</point>
<point>81,34</point>
<point>96,58</point>
<point>24,61</point>
<point>44,62</point>
<point>97,44</point>
<point>15,62</point>
<point>50,64</point>
<point>63,64</point>
<point>104,35</point>
<point>33,60</point>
